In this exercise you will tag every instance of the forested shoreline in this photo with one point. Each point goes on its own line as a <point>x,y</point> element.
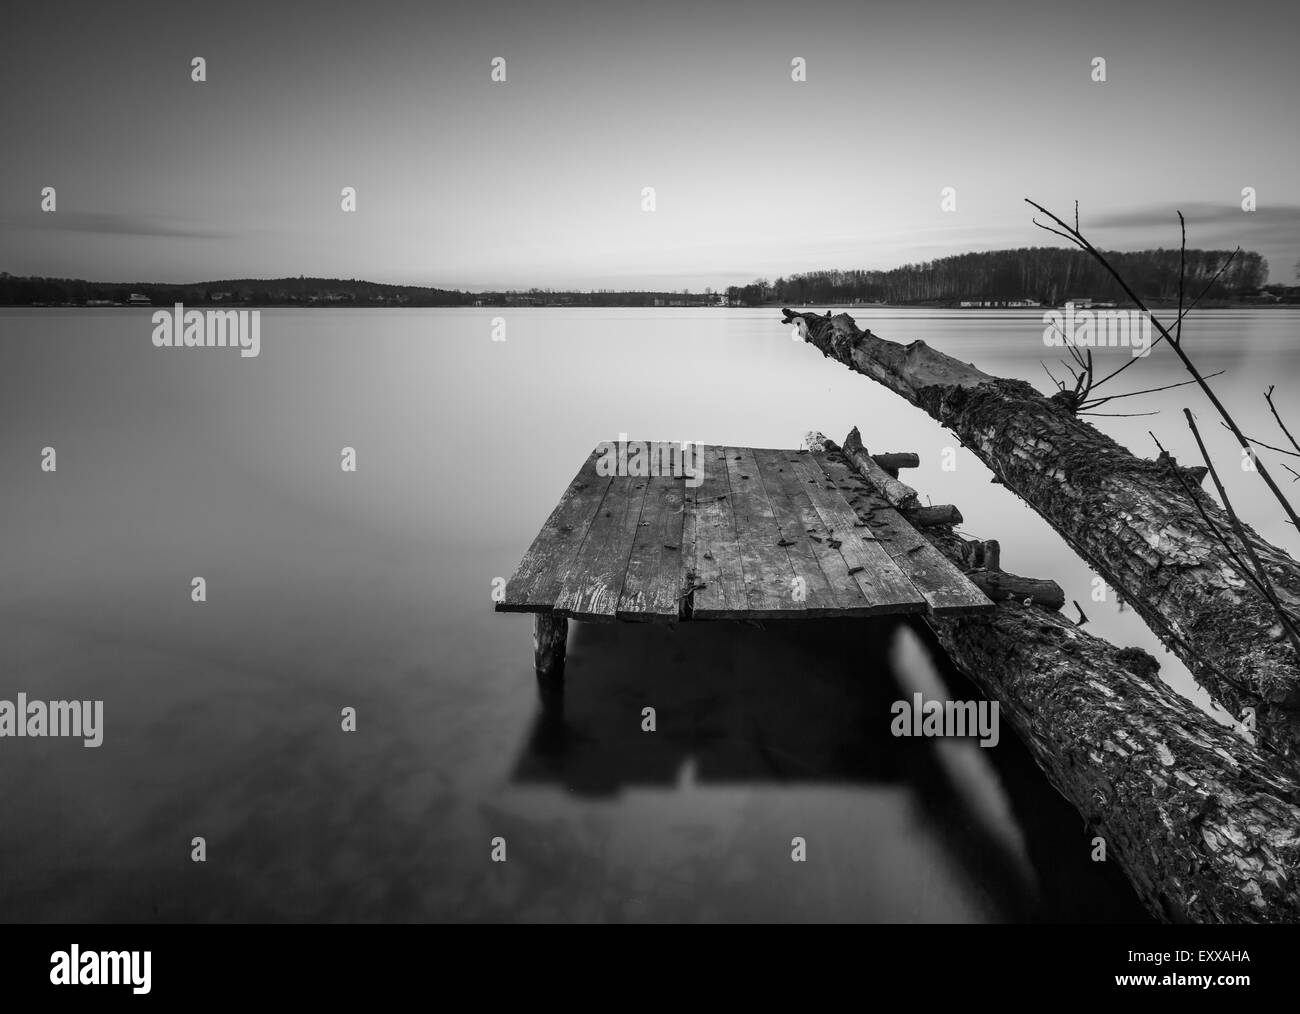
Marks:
<point>1048,276</point>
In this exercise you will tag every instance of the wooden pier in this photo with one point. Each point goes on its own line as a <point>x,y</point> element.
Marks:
<point>756,533</point>
<point>1201,821</point>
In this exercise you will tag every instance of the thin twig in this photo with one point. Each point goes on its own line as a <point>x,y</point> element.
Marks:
<point>1268,397</point>
<point>1261,443</point>
<point>1209,522</point>
<point>1149,390</point>
<point>1191,306</point>
<point>1287,625</point>
<point>1182,276</point>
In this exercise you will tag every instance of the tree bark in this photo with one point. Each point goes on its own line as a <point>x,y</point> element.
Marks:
<point>892,461</point>
<point>999,585</point>
<point>1132,519</point>
<point>899,494</point>
<point>1204,825</point>
<point>940,514</point>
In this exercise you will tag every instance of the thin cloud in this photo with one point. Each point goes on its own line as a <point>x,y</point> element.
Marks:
<point>106,224</point>
<point>1270,215</point>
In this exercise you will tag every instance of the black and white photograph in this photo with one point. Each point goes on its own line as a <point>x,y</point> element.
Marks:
<point>588,464</point>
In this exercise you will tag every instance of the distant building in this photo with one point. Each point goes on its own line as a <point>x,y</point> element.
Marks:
<point>1079,302</point>
<point>136,299</point>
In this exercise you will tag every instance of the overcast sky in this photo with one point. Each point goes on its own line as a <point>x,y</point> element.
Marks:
<point>463,182</point>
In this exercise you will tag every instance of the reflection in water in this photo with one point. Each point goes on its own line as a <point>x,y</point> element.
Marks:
<point>372,590</point>
<point>808,703</point>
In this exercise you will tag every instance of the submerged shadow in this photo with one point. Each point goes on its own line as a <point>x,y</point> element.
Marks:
<point>810,703</point>
<point>1071,886</point>
<point>742,703</point>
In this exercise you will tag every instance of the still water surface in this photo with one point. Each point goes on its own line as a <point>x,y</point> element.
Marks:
<point>372,590</point>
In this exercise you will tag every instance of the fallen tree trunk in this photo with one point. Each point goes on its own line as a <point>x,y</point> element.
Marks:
<point>1132,519</point>
<point>1204,826</point>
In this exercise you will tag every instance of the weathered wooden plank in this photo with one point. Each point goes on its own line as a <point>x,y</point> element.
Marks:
<point>828,587</point>
<point>883,583</point>
<point>537,580</point>
<point>656,568</point>
<point>594,579</point>
<point>690,539</point>
<point>769,573</point>
<point>630,547</point>
<point>945,588</point>
<point>719,571</point>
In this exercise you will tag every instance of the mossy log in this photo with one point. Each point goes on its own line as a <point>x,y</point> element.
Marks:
<point>1134,520</point>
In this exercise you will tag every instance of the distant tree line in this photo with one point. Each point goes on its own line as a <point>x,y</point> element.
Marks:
<point>1048,275</point>
<point>19,291</point>
<point>27,291</point>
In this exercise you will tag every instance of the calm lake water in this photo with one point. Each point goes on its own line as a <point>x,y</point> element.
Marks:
<point>373,590</point>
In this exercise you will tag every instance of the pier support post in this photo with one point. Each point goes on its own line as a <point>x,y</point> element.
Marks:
<point>550,633</point>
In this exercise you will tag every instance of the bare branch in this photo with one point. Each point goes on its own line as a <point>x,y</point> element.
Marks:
<point>1056,231</point>
<point>1182,277</point>
<point>1268,397</point>
<point>1266,446</point>
<point>1213,529</point>
<point>1149,390</point>
<point>1260,572</point>
<point>1188,365</point>
<point>1059,385</point>
<point>1178,323</point>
